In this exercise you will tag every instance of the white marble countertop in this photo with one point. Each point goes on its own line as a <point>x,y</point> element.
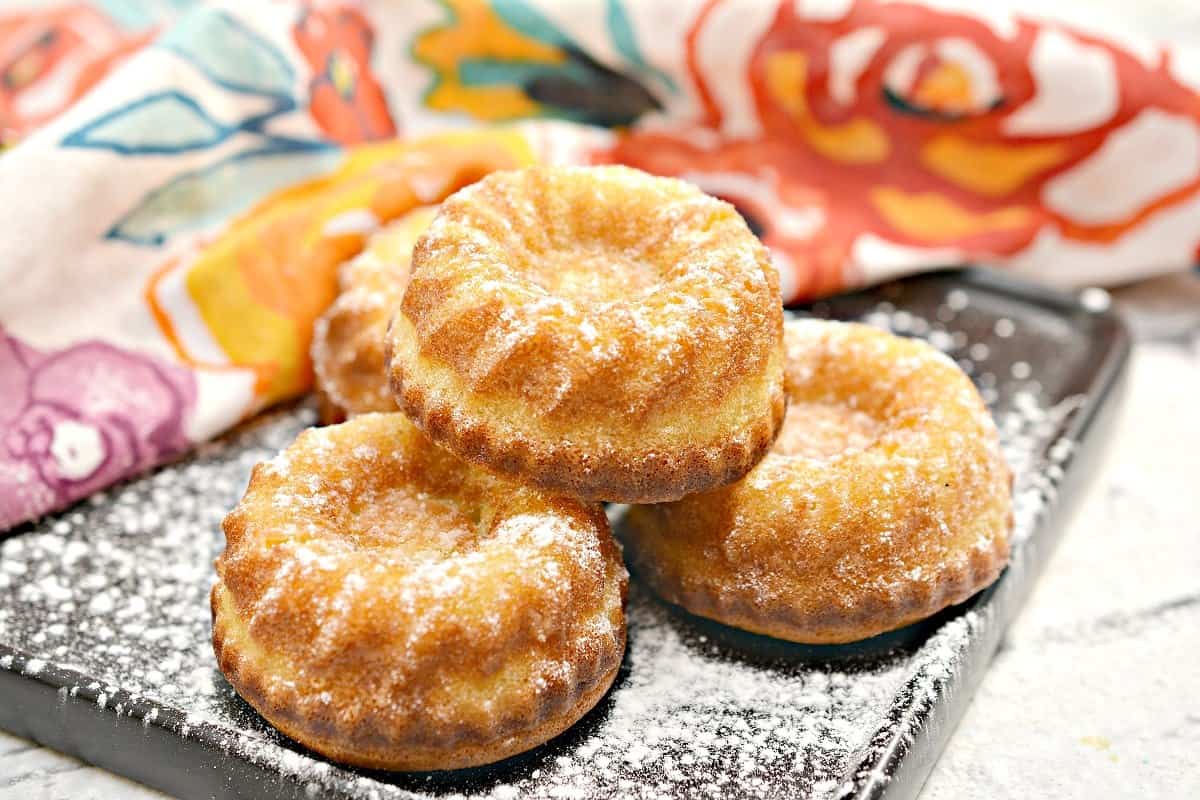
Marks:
<point>1094,692</point>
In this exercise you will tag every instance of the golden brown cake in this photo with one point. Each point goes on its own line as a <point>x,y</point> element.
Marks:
<point>347,348</point>
<point>884,499</point>
<point>391,606</point>
<point>595,331</point>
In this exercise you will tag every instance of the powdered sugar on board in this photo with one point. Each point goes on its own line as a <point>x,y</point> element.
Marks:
<point>111,602</point>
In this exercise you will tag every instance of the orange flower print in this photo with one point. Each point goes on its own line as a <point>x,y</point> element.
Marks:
<point>51,57</point>
<point>345,99</point>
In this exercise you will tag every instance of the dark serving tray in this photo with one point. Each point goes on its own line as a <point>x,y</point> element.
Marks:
<point>104,622</point>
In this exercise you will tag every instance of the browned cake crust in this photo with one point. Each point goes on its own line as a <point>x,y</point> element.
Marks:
<point>884,500</point>
<point>595,331</point>
<point>348,339</point>
<point>390,606</point>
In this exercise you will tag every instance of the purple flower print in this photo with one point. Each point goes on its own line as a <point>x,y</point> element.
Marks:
<point>78,419</point>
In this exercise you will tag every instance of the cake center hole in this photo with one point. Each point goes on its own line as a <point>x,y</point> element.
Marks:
<point>825,430</point>
<point>421,524</point>
<point>594,275</point>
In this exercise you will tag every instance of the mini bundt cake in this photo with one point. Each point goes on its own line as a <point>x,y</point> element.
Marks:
<point>885,499</point>
<point>391,606</point>
<point>348,339</point>
<point>594,331</point>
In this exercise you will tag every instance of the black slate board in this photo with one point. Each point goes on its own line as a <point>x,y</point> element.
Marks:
<point>104,648</point>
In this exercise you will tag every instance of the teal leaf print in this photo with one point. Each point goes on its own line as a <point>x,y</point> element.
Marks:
<point>162,123</point>
<point>231,55</point>
<point>207,196</point>
<point>624,39</point>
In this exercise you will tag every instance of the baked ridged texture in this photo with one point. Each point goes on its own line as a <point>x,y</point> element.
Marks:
<point>348,339</point>
<point>593,330</point>
<point>885,499</point>
<point>390,606</point>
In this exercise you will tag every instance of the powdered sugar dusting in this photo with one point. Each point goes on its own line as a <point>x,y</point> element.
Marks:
<point>692,715</point>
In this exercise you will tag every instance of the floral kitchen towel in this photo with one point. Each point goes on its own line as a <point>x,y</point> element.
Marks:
<point>181,179</point>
